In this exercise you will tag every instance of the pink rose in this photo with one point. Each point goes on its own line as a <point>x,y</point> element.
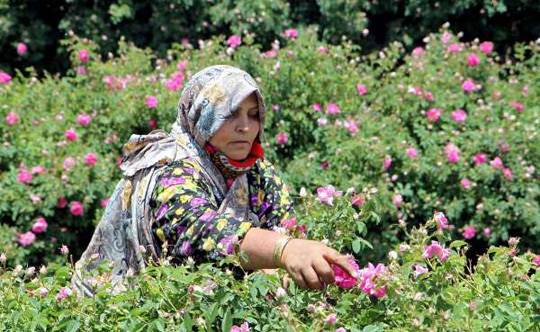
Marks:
<point>486,47</point>
<point>330,319</point>
<point>234,41</point>
<point>441,220</point>
<point>69,163</point>
<point>26,239</point>
<point>12,118</point>
<point>433,114</point>
<point>316,107</point>
<point>81,70</point>
<point>64,250</point>
<point>387,162</point>
<point>487,232</point>
<point>435,249</point>
<point>22,48</point>
<point>465,183</point>
<point>452,153</point>
<point>412,153</point>
<point>71,134</point>
<point>40,225</point>
<point>76,208</point>
<point>351,126</point>
<point>290,33</point>
<point>84,119</point>
<point>322,121</point>
<point>342,278</point>
<point>369,280</point>
<point>459,116</point>
<point>62,202</point>
<point>84,55</point>
<point>361,89</point>
<point>152,123</point>
<point>536,260</point>
<point>242,328</point>
<point>479,159</point>
<point>332,109</point>
<point>282,138</point>
<point>151,102</point>
<point>90,159</point>
<point>63,293</point>
<point>327,194</point>
<point>519,107</point>
<point>469,232</point>
<point>397,200</point>
<point>322,50</point>
<point>418,52</point>
<point>446,36</point>
<point>496,163</point>
<point>5,78</point>
<point>454,48</point>
<point>419,270</point>
<point>358,200</point>
<point>468,85</point>
<point>473,60</point>
<point>104,202</point>
<point>24,176</point>
<point>507,172</point>
<point>38,169</point>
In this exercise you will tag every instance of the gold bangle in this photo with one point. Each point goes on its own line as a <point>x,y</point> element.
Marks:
<point>278,248</point>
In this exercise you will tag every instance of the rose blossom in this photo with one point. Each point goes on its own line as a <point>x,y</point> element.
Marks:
<point>473,60</point>
<point>40,225</point>
<point>332,108</point>
<point>76,208</point>
<point>5,78</point>
<point>282,138</point>
<point>411,153</point>
<point>468,85</point>
<point>487,232</point>
<point>291,33</point>
<point>419,270</point>
<point>465,183</point>
<point>69,163</point>
<point>84,55</point>
<point>441,220</point>
<point>435,249</point>
<point>361,89</point>
<point>496,163</point>
<point>454,48</point>
<point>459,116</point>
<point>234,41</point>
<point>90,159</point>
<point>486,47</point>
<point>71,134</point>
<point>84,119</point>
<point>397,200</point>
<point>387,162</point>
<point>469,232</point>
<point>22,48</point>
<point>12,118</point>
<point>369,277</point>
<point>24,176</point>
<point>342,278</point>
<point>536,260</point>
<point>64,250</point>
<point>519,107</point>
<point>26,239</point>
<point>452,153</point>
<point>479,159</point>
<point>326,194</point>
<point>63,293</point>
<point>151,101</point>
<point>433,114</point>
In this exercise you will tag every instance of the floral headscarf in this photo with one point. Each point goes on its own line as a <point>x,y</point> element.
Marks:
<point>124,234</point>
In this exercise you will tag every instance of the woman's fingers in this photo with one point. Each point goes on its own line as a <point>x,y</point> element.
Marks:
<point>341,260</point>
<point>311,278</point>
<point>324,271</point>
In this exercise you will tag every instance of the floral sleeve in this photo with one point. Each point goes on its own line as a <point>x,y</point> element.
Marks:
<point>272,200</point>
<point>186,216</point>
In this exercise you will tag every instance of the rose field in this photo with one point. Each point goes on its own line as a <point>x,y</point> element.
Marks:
<point>422,165</point>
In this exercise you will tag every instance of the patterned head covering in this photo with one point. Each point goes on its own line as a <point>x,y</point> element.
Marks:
<point>124,232</point>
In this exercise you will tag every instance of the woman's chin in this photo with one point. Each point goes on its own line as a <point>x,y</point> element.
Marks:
<point>239,156</point>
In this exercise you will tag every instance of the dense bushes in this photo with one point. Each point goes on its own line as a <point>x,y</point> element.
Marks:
<point>401,125</point>
<point>158,24</point>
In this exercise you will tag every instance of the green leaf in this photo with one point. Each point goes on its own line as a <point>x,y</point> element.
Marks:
<point>226,323</point>
<point>458,244</point>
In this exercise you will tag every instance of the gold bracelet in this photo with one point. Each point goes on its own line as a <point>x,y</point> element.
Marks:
<point>278,248</point>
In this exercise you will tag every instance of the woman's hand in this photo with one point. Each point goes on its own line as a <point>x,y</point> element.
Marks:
<point>308,263</point>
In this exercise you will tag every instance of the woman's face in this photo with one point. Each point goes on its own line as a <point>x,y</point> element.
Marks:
<point>236,135</point>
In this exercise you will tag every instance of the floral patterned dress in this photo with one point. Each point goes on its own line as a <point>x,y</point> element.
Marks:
<point>186,217</point>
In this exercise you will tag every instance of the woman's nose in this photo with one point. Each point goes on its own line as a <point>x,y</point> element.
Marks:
<point>242,124</point>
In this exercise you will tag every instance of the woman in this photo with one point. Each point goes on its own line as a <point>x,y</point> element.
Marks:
<point>204,191</point>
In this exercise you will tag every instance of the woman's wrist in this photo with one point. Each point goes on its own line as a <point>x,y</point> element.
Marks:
<point>279,247</point>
